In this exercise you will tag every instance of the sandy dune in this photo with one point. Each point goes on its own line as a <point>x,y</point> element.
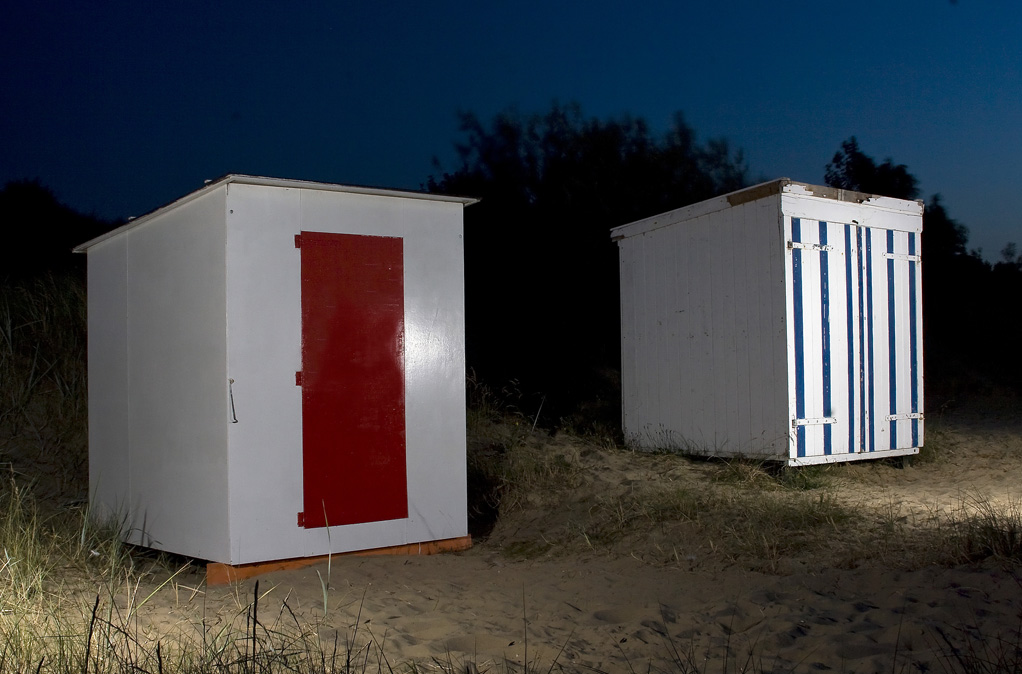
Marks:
<point>538,590</point>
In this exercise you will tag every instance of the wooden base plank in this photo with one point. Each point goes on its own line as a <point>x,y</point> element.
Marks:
<point>222,574</point>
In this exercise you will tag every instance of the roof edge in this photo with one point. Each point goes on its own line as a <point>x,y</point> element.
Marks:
<point>699,208</point>
<point>245,179</point>
<point>754,192</point>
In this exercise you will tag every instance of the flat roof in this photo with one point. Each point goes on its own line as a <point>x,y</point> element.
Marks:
<point>243,179</point>
<point>746,194</point>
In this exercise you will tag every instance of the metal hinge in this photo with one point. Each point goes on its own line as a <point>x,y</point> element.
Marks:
<point>899,256</point>
<point>298,378</point>
<point>301,519</point>
<point>808,246</point>
<point>813,422</point>
<point>298,240</point>
<point>907,415</point>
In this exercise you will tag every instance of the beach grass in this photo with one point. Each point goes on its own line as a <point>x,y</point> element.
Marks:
<point>71,592</point>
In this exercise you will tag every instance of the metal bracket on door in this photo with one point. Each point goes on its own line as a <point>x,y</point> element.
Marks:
<point>907,415</point>
<point>899,256</point>
<point>792,245</point>
<point>813,422</point>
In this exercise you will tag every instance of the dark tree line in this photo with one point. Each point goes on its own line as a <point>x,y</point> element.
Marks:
<point>542,275</point>
<point>542,300</point>
<point>39,232</point>
<point>541,270</point>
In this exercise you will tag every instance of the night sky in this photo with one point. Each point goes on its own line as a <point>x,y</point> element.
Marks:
<point>121,107</point>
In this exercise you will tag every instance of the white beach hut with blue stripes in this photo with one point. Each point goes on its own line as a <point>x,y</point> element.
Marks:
<point>780,322</point>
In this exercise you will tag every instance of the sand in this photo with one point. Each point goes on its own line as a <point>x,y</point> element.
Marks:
<point>539,590</point>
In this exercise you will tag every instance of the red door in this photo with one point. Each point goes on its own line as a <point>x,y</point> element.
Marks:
<point>353,409</point>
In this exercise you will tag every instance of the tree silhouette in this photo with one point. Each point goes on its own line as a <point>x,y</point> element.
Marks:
<point>850,169</point>
<point>970,321</point>
<point>39,231</point>
<point>541,271</point>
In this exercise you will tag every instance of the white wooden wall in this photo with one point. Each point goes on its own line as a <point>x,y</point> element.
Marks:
<point>207,290</point>
<point>703,334</point>
<point>157,366</point>
<point>779,322</point>
<point>109,403</point>
<point>264,328</point>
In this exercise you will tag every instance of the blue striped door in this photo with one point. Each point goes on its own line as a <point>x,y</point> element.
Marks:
<point>856,339</point>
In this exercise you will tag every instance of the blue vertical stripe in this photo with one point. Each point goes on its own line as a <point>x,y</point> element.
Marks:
<point>914,337</point>
<point>800,392</point>
<point>869,333</point>
<point>825,336</point>
<point>891,341</point>
<point>850,338</point>
<point>862,341</point>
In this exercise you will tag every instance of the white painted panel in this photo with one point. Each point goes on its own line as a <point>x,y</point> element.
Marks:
<point>177,369</point>
<point>820,291</point>
<point>265,339</point>
<point>772,327</point>
<point>814,345</point>
<point>854,336</point>
<point>721,346</point>
<point>745,313</point>
<point>731,300</point>
<point>839,347</point>
<point>902,347</point>
<point>702,354</point>
<point>758,415</point>
<point>907,335</point>
<point>916,275</point>
<point>645,412</point>
<point>877,342</point>
<point>665,277</point>
<point>812,334</point>
<point>435,370</point>
<point>699,411</point>
<point>787,291</point>
<point>647,343</point>
<point>264,326</point>
<point>905,217</point>
<point>836,364</point>
<point>728,436</point>
<point>109,411</point>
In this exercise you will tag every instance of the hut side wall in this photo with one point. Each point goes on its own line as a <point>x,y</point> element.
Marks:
<point>167,358</point>
<point>703,334</point>
<point>264,337</point>
<point>177,378</point>
<point>109,410</point>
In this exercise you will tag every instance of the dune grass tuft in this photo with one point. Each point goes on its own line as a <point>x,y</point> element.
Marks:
<point>71,591</point>
<point>979,529</point>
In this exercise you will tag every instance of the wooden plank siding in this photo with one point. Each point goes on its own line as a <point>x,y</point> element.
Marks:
<point>781,322</point>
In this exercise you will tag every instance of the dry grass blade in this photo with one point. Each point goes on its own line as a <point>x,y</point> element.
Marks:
<point>573,500</point>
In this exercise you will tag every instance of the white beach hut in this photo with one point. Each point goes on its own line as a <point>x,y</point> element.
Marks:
<point>780,322</point>
<point>276,371</point>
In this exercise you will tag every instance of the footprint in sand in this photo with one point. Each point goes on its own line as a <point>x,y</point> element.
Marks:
<point>619,616</point>
<point>480,643</point>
